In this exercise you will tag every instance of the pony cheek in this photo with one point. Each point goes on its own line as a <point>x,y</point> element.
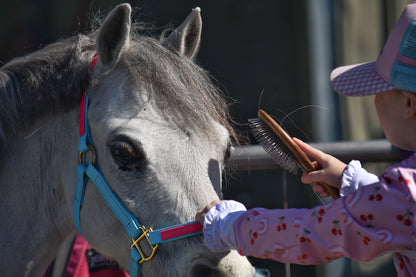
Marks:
<point>214,175</point>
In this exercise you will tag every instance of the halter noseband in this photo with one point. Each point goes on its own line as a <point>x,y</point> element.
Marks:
<point>136,231</point>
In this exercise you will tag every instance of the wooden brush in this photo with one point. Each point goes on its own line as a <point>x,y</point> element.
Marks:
<point>282,149</point>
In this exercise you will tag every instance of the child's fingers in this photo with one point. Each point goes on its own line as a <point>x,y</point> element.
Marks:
<point>316,165</point>
<point>311,177</point>
<point>200,216</point>
<point>320,189</point>
<point>309,150</point>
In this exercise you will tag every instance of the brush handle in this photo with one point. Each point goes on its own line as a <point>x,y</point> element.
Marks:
<point>295,149</point>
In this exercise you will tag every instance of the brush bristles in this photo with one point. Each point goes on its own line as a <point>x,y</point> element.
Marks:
<point>273,145</point>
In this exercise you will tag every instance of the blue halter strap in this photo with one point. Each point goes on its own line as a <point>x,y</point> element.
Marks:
<point>136,231</point>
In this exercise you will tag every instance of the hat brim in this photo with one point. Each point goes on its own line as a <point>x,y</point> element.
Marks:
<point>358,80</point>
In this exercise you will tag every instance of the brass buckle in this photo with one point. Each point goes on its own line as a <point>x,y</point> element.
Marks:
<point>136,243</point>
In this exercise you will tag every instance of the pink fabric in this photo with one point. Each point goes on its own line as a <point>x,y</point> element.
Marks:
<point>372,221</point>
<point>371,78</point>
<point>93,62</point>
<point>79,266</point>
<point>406,60</point>
<point>82,110</point>
<point>358,80</point>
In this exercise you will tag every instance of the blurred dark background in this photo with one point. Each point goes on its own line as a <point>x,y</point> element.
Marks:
<point>271,54</point>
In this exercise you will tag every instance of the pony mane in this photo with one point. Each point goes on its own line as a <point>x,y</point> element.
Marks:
<point>43,83</point>
<point>52,80</point>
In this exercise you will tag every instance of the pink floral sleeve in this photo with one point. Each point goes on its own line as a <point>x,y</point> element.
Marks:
<point>366,223</point>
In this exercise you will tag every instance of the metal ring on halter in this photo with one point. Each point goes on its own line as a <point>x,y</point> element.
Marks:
<point>94,155</point>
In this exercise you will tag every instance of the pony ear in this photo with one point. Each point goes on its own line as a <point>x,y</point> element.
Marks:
<point>187,37</point>
<point>114,36</point>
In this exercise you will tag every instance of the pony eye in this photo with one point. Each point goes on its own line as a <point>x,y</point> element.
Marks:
<point>126,155</point>
<point>123,150</point>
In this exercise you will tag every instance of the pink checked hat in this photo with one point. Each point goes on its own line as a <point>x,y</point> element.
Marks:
<point>394,68</point>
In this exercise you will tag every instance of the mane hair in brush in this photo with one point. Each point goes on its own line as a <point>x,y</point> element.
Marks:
<point>281,148</point>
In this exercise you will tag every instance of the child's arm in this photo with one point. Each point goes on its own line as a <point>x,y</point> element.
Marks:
<point>366,223</point>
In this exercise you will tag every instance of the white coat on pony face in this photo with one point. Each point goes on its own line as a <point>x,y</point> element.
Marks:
<point>175,156</point>
<point>179,173</point>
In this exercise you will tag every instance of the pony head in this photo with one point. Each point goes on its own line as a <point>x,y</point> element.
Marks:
<point>162,136</point>
<point>161,133</point>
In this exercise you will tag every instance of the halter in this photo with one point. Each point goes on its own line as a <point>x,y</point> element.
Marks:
<point>136,231</point>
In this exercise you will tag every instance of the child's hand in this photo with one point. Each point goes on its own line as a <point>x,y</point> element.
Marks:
<point>330,172</point>
<point>200,216</point>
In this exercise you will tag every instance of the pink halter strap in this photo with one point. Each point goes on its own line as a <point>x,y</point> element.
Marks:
<point>82,115</point>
